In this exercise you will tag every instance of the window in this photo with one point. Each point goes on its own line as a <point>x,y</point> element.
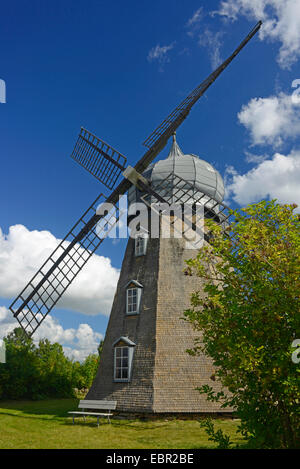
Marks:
<point>132,300</point>
<point>123,355</point>
<point>141,244</point>
<point>121,363</point>
<point>133,297</point>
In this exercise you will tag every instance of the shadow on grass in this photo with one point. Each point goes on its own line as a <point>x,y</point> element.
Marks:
<point>136,425</point>
<point>51,418</point>
<point>62,418</point>
<point>28,409</point>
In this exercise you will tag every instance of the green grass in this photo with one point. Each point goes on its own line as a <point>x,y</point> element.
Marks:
<point>46,424</point>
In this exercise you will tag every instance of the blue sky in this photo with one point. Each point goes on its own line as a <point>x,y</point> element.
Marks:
<point>118,68</point>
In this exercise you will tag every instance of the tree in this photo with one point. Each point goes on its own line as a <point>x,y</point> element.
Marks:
<point>39,371</point>
<point>100,348</point>
<point>85,372</point>
<point>55,370</point>
<point>19,375</point>
<point>249,318</point>
<point>88,370</point>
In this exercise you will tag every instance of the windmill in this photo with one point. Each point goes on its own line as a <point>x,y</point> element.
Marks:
<point>105,163</point>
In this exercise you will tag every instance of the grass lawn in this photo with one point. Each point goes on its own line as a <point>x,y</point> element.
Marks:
<point>46,424</point>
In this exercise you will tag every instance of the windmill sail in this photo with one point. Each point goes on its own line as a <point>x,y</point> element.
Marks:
<point>98,158</point>
<point>56,274</point>
<point>47,286</point>
<point>169,125</point>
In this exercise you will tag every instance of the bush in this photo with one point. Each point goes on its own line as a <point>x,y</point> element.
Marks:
<point>250,318</point>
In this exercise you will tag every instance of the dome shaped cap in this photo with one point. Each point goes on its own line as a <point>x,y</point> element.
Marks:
<point>201,176</point>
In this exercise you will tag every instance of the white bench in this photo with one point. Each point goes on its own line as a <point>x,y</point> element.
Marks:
<point>96,405</point>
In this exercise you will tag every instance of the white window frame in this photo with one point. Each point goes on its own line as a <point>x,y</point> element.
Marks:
<point>129,295</point>
<point>140,248</point>
<point>118,360</point>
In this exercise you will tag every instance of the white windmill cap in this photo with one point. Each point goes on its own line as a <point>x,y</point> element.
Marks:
<point>201,176</point>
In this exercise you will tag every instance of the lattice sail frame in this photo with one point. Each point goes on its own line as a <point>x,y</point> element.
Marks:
<point>45,289</point>
<point>98,158</point>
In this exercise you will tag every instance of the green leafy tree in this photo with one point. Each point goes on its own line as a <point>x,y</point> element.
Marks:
<point>100,348</point>
<point>88,370</point>
<point>39,371</point>
<point>55,370</point>
<point>249,318</point>
<point>85,372</point>
<point>18,338</point>
<point>19,375</point>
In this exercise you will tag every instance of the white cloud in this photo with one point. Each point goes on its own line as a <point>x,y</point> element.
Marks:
<point>212,42</point>
<point>281,22</point>
<point>233,8</point>
<point>252,158</point>
<point>159,53</point>
<point>276,178</point>
<point>196,18</point>
<point>7,322</point>
<point>193,23</point>
<point>77,343</point>
<point>22,252</point>
<point>270,120</point>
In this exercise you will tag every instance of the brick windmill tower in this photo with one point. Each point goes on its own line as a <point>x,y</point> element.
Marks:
<point>144,365</point>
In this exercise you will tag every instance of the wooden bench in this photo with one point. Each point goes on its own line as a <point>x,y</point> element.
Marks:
<point>96,405</point>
